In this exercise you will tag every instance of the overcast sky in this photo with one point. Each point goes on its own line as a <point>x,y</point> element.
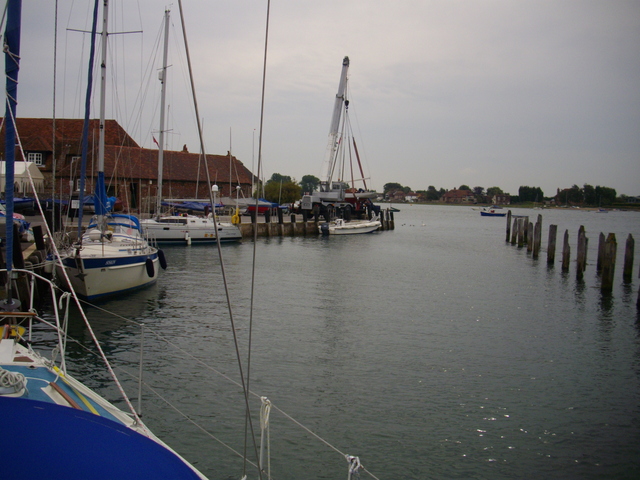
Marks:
<point>443,92</point>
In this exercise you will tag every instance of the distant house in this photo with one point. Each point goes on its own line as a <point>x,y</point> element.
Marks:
<point>502,199</point>
<point>131,171</point>
<point>458,196</point>
<point>411,197</point>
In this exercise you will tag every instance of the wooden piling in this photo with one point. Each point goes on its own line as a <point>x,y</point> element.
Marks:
<point>581,260</point>
<point>537,237</point>
<point>514,231</point>
<point>600,253</point>
<point>521,232</point>
<point>566,252</point>
<point>529,237</point>
<point>627,270</point>
<point>508,225</point>
<point>638,301</point>
<point>608,263</point>
<point>551,248</point>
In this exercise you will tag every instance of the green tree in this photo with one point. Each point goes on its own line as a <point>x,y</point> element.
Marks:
<point>478,191</point>
<point>309,183</point>
<point>389,187</point>
<point>606,195</point>
<point>575,195</point>
<point>276,177</point>
<point>285,192</point>
<point>491,191</point>
<point>433,194</point>
<point>590,197</point>
<point>530,194</point>
<point>464,187</point>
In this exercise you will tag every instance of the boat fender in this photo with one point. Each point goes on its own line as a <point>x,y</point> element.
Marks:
<point>235,219</point>
<point>150,270</point>
<point>163,260</point>
<point>324,229</point>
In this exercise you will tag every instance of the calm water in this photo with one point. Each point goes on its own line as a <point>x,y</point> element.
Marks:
<point>432,351</point>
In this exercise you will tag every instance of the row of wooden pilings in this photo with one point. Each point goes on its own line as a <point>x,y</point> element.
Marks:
<point>275,225</point>
<point>521,232</point>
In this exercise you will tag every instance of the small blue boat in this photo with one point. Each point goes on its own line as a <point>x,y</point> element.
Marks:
<point>492,213</point>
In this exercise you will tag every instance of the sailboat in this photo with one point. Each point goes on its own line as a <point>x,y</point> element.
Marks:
<point>181,228</point>
<point>112,256</point>
<point>57,427</point>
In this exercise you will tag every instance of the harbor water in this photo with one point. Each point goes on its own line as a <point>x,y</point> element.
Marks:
<point>433,351</point>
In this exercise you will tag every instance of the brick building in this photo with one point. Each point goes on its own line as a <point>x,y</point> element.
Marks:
<point>131,172</point>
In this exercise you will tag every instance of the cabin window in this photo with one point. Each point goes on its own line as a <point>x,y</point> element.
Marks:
<point>35,158</point>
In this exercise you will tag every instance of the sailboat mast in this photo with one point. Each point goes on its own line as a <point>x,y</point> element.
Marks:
<point>163,80</point>
<point>103,83</point>
<point>100,193</point>
<point>12,67</point>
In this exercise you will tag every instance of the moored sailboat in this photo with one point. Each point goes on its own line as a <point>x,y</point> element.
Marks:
<point>181,228</point>
<point>112,256</point>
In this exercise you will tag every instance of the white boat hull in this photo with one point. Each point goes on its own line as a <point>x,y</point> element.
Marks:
<point>340,227</point>
<point>187,229</point>
<point>94,275</point>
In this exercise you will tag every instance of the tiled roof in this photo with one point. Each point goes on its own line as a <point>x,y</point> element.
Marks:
<point>124,158</point>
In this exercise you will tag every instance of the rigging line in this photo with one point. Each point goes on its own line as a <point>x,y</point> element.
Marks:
<point>188,355</point>
<point>186,417</point>
<point>211,196</point>
<point>255,220</point>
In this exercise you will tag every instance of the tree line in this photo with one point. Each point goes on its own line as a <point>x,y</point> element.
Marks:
<point>284,189</point>
<point>586,195</point>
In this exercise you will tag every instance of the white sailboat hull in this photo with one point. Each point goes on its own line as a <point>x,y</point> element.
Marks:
<point>96,271</point>
<point>179,229</point>
<point>340,227</point>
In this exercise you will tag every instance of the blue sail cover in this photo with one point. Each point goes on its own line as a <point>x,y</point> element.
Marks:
<point>100,197</point>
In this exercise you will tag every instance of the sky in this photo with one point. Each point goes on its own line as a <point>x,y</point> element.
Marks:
<point>442,92</point>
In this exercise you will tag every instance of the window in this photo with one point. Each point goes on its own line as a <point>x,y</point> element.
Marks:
<point>35,158</point>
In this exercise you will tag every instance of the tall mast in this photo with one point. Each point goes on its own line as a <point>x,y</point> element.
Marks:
<point>335,124</point>
<point>12,67</point>
<point>163,80</point>
<point>100,192</point>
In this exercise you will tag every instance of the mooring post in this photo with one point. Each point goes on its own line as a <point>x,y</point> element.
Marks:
<point>537,237</point>
<point>529,237</point>
<point>628,259</point>
<point>566,252</point>
<point>551,249</point>
<point>508,225</point>
<point>638,301</point>
<point>521,232</point>
<point>581,259</point>
<point>600,253</point>
<point>514,231</point>
<point>609,263</point>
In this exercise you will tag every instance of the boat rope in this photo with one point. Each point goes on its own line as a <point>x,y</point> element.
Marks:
<point>354,466</point>
<point>255,220</point>
<point>245,382</point>
<point>265,410</point>
<point>11,382</point>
